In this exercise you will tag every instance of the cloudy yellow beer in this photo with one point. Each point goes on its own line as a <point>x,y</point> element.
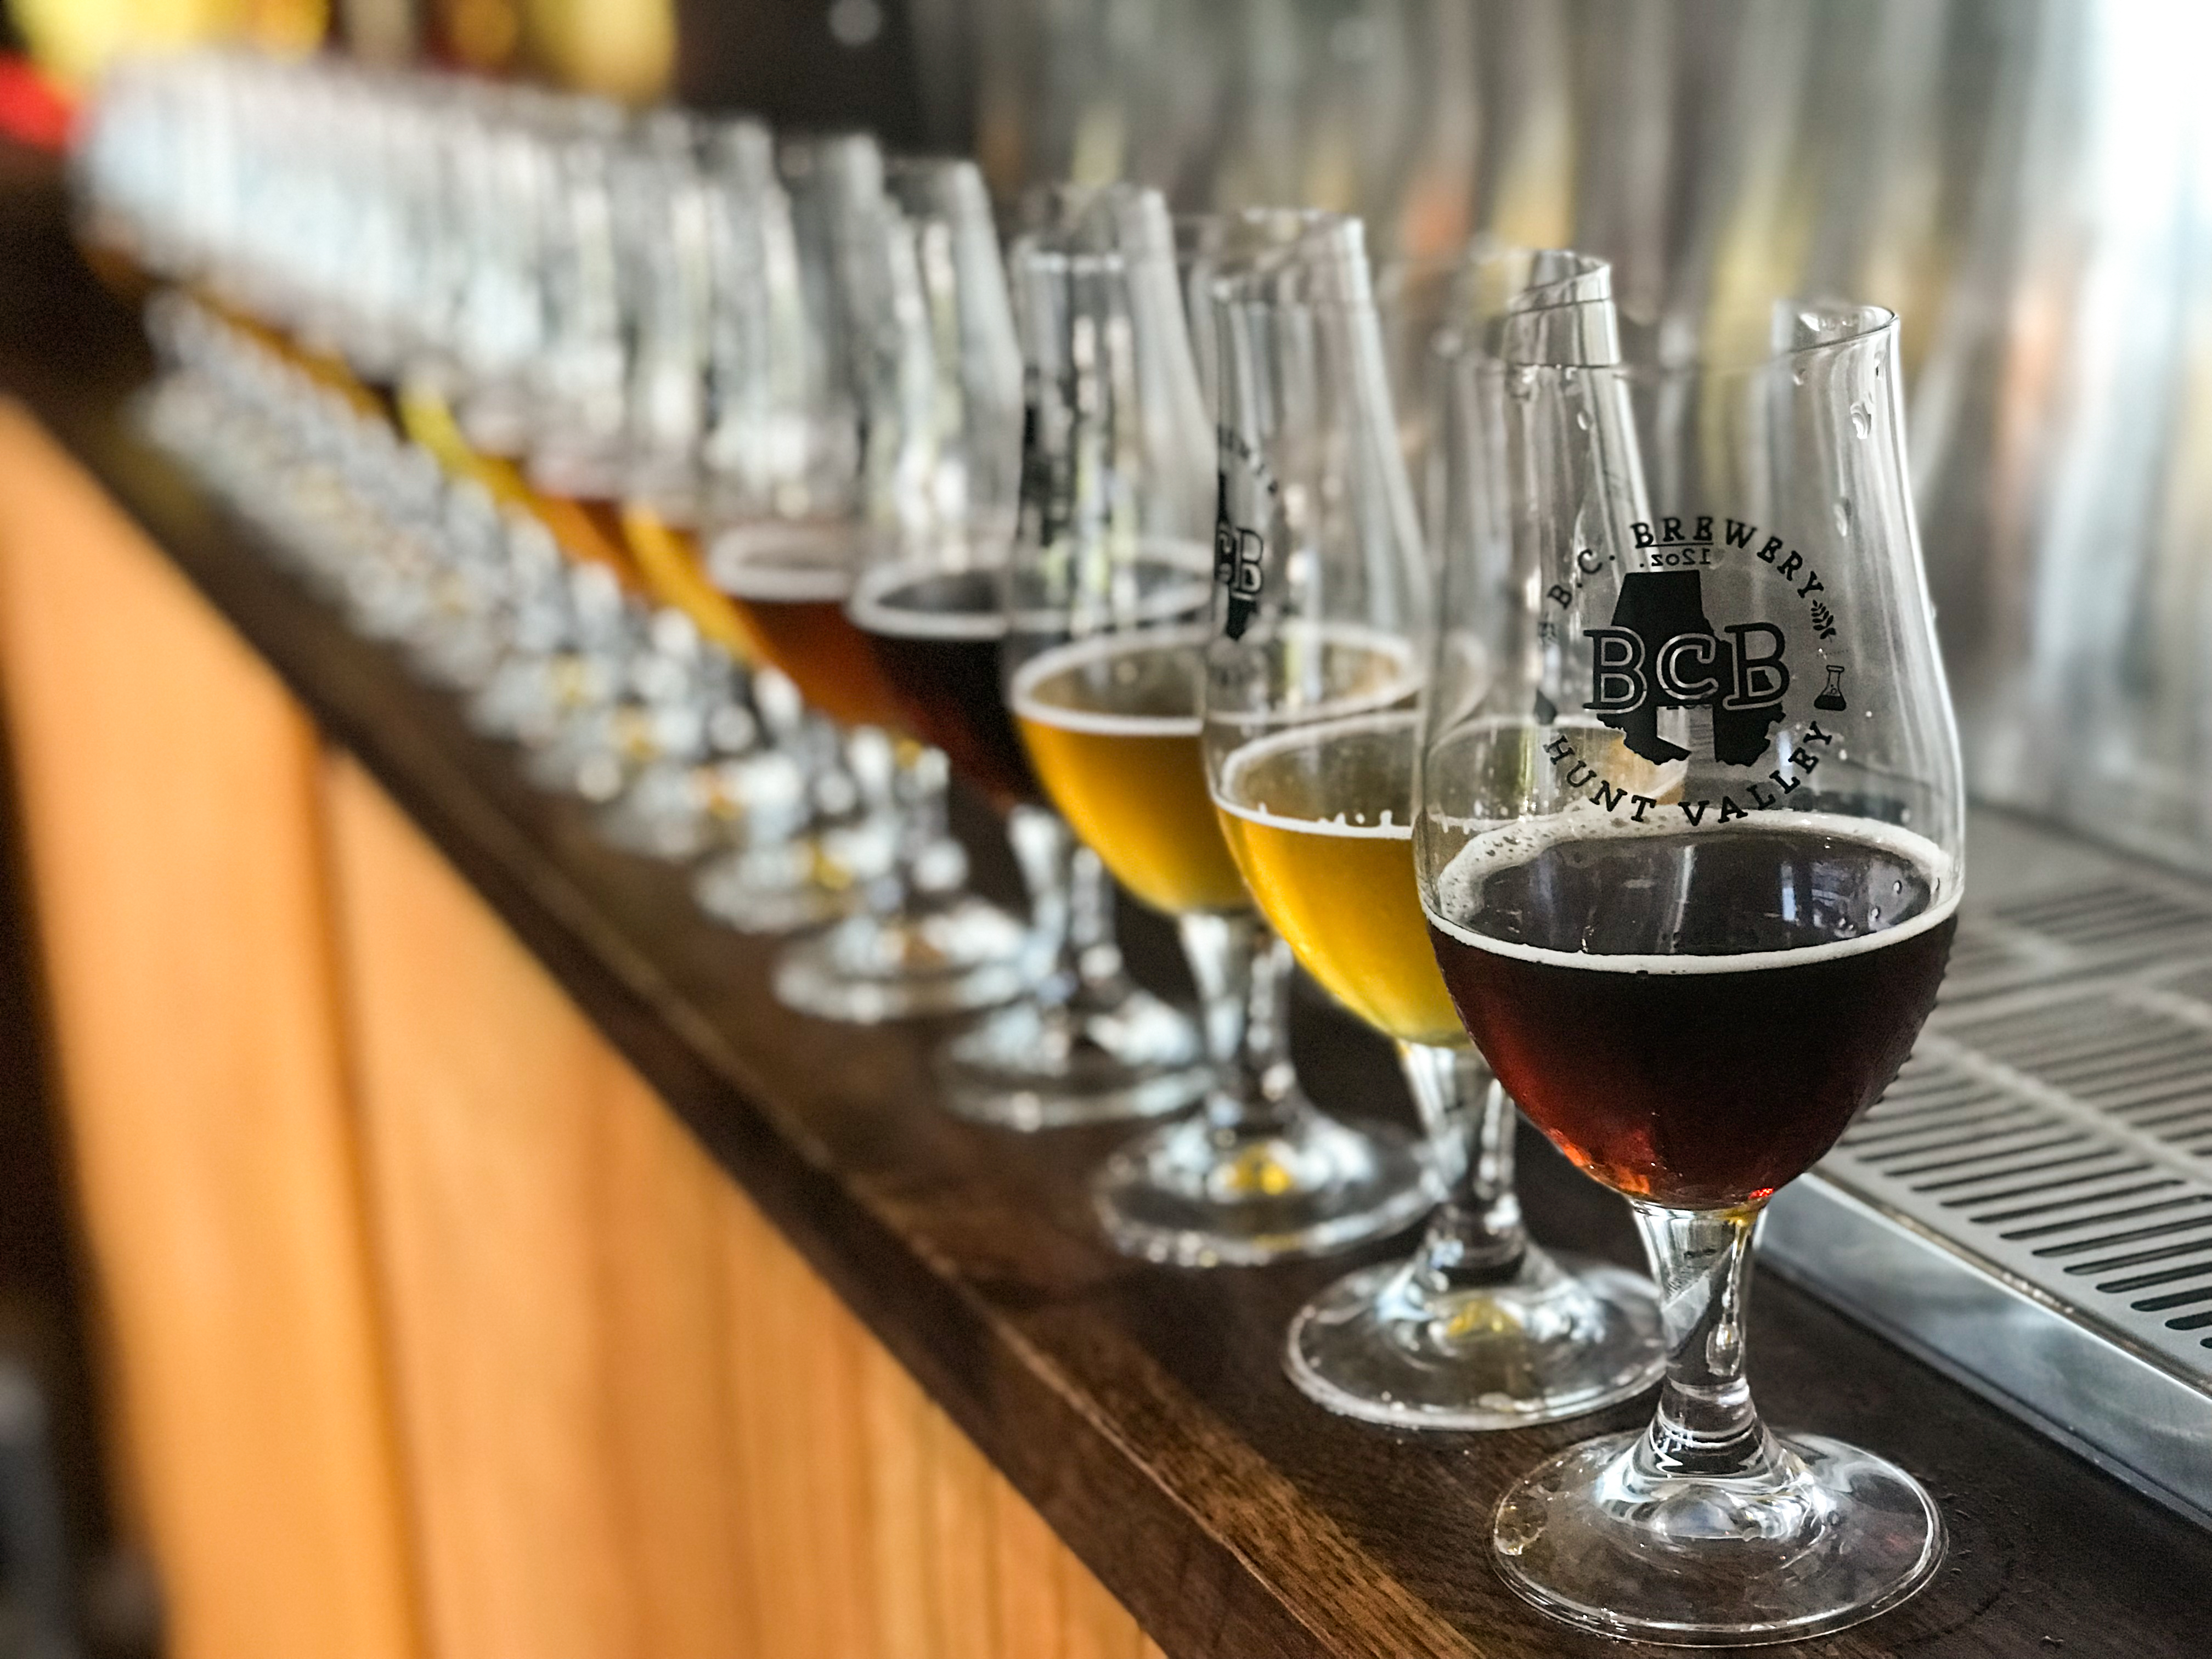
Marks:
<point>1111,726</point>
<point>1320,821</point>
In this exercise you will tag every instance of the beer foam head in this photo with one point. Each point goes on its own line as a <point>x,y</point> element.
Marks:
<point>1247,799</point>
<point>923,601</point>
<point>1133,650</point>
<point>785,563</point>
<point>1507,846</point>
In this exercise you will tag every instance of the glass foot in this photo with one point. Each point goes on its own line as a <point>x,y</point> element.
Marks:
<point>576,763</point>
<point>659,817</point>
<point>772,889</point>
<point>954,956</point>
<point>1817,1536</point>
<point>1096,1059</point>
<point>1564,1336</point>
<point>1199,1194</point>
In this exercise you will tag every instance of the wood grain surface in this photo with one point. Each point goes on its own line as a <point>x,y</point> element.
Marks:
<point>637,1424</point>
<point>168,787</point>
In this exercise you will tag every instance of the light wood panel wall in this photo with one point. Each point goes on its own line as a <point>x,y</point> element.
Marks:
<point>437,1333</point>
<point>169,792</point>
<point>638,1423</point>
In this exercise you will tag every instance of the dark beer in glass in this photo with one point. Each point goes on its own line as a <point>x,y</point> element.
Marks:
<point>935,637</point>
<point>1693,1016</point>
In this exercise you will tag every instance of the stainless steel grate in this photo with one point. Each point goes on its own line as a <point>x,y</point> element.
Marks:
<point>2030,1206</point>
<point>2109,927</point>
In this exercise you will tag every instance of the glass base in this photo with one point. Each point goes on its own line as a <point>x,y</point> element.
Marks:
<point>1200,1195</point>
<point>953,955</point>
<point>1095,1059</point>
<point>1565,1336</point>
<point>575,763</point>
<point>658,816</point>
<point>772,889</point>
<point>1818,1536</point>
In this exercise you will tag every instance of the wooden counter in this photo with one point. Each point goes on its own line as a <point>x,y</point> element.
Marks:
<point>494,1269</point>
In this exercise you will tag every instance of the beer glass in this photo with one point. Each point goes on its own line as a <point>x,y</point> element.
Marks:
<point>1310,741</point>
<point>578,442</point>
<point>1690,847</point>
<point>1112,594</point>
<point>491,254</point>
<point>687,182</point>
<point>1083,1043</point>
<point>893,438</point>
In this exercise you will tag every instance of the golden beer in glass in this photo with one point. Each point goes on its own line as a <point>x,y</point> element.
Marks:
<point>1112,728</point>
<point>1316,819</point>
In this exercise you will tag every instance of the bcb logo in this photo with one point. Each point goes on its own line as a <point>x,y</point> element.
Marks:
<point>1662,651</point>
<point>1238,565</point>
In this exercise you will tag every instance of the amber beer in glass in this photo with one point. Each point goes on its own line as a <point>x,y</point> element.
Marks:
<point>1691,853</point>
<point>933,641</point>
<point>791,587</point>
<point>1640,993</point>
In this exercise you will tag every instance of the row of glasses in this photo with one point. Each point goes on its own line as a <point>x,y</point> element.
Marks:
<point>451,241</point>
<point>1260,1173</point>
<point>773,364</point>
<point>1106,605</point>
<point>1323,642</point>
<point>1640,807</point>
<point>855,455</point>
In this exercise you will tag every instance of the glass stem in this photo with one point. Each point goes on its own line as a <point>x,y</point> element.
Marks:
<point>898,796</point>
<point>1092,944</point>
<point>1071,908</point>
<point>1475,1237</point>
<point>1243,976</point>
<point>1045,851</point>
<point>1706,1425</point>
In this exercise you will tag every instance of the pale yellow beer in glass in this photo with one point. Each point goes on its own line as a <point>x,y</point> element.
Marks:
<point>1111,726</point>
<point>1318,819</point>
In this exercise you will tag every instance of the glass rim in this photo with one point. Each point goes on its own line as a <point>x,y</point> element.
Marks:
<point>1323,268</point>
<point>1069,250</point>
<point>1841,325</point>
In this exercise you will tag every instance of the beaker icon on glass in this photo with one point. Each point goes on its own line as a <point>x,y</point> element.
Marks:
<point>1832,694</point>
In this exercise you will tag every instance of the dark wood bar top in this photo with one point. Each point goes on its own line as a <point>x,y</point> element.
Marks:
<point>1142,1410</point>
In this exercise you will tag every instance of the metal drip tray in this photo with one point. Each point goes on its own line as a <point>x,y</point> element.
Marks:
<point>2030,1206</point>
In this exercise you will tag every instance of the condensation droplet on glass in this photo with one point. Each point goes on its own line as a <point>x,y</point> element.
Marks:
<point>1862,420</point>
<point>1521,383</point>
<point>1875,914</point>
<point>1843,517</point>
<point>1582,419</point>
